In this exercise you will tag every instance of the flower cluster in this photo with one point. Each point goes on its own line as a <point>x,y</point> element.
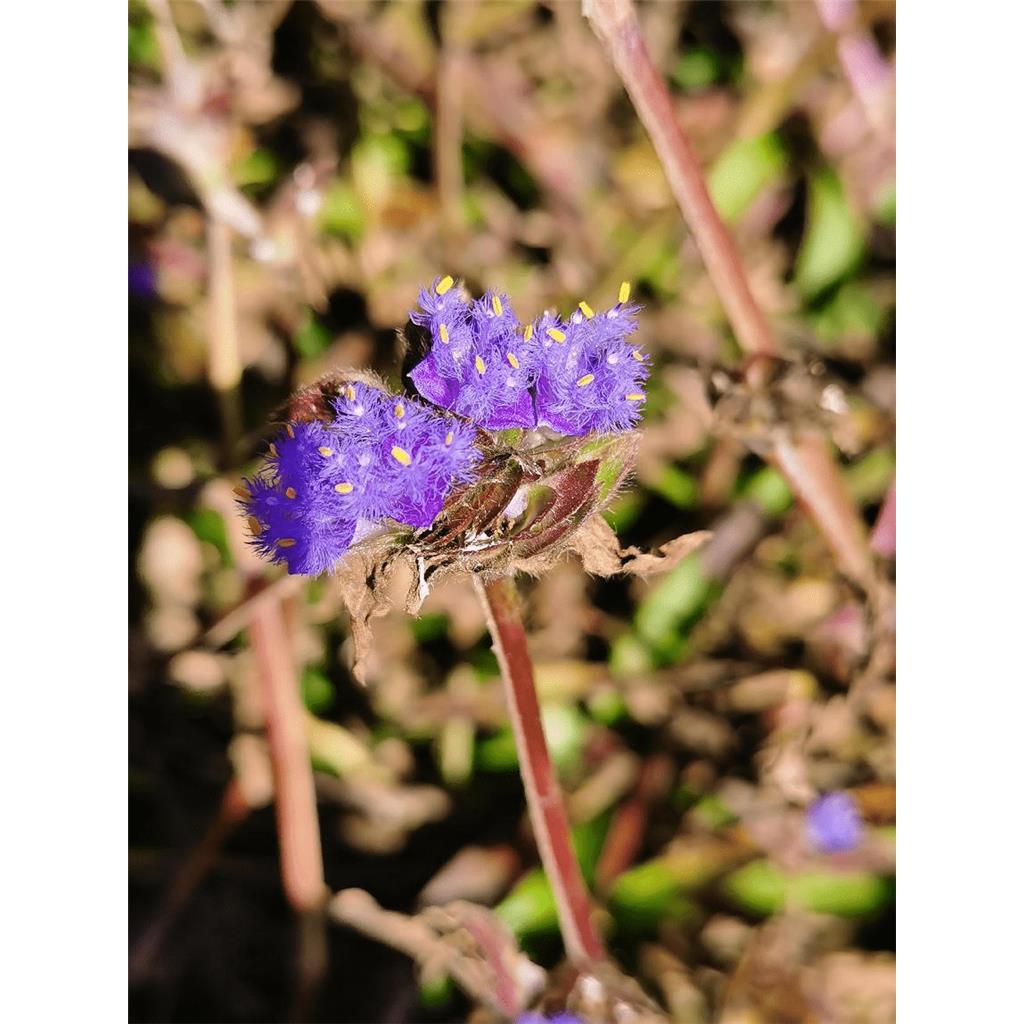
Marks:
<point>325,484</point>
<point>575,376</point>
<point>369,455</point>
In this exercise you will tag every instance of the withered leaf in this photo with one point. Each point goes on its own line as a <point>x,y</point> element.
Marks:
<point>595,542</point>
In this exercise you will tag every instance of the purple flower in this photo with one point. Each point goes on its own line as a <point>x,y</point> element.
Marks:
<point>141,280</point>
<point>833,823</point>
<point>380,457</point>
<point>479,364</point>
<point>539,1018</point>
<point>574,376</point>
<point>591,378</point>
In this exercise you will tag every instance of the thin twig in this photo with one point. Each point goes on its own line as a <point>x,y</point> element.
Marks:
<point>543,796</point>
<point>234,808</point>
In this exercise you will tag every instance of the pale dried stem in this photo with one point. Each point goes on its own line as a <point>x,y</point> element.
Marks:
<point>543,795</point>
<point>868,72</point>
<point>448,122</point>
<point>224,367</point>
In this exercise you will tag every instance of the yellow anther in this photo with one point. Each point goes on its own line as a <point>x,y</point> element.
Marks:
<point>479,364</point>
<point>343,488</point>
<point>400,410</point>
<point>325,452</point>
<point>556,335</point>
<point>638,355</point>
<point>350,393</point>
<point>443,331</point>
<point>448,438</point>
<point>254,526</point>
<point>243,492</point>
<point>624,292</point>
<point>586,379</point>
<point>513,362</point>
<point>528,333</point>
<point>635,397</point>
<point>273,449</point>
<point>286,542</point>
<point>586,310</point>
<point>289,492</point>
<point>444,284</point>
<point>496,304</point>
<point>288,428</point>
<point>401,455</point>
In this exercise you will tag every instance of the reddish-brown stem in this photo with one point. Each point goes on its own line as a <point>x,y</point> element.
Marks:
<point>298,829</point>
<point>543,796</point>
<point>806,463</point>
<point>616,24</point>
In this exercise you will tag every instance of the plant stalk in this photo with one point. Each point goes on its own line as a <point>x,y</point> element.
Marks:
<point>543,796</point>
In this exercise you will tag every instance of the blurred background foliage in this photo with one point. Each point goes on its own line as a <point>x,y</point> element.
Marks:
<point>297,171</point>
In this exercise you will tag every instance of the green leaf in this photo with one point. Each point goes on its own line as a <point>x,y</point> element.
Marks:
<point>677,486</point>
<point>742,171</point>
<point>317,691</point>
<point>340,212</point>
<point>674,604</point>
<point>834,240</point>
<point>312,338</point>
<point>698,68</point>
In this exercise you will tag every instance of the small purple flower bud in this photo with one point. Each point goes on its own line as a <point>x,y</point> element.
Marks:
<point>833,823</point>
<point>380,457</point>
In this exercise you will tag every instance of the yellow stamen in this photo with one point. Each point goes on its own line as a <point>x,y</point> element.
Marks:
<point>325,452</point>
<point>350,393</point>
<point>635,397</point>
<point>513,362</point>
<point>585,380</point>
<point>289,492</point>
<point>556,335</point>
<point>448,438</point>
<point>286,542</point>
<point>624,292</point>
<point>444,284</point>
<point>479,364</point>
<point>638,355</point>
<point>242,492</point>
<point>254,526</point>
<point>496,303</point>
<point>288,428</point>
<point>528,333</point>
<point>586,310</point>
<point>343,488</point>
<point>273,449</point>
<point>443,331</point>
<point>400,410</point>
<point>401,455</point>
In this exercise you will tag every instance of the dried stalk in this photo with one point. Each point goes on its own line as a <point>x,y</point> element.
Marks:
<point>543,796</point>
<point>806,463</point>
